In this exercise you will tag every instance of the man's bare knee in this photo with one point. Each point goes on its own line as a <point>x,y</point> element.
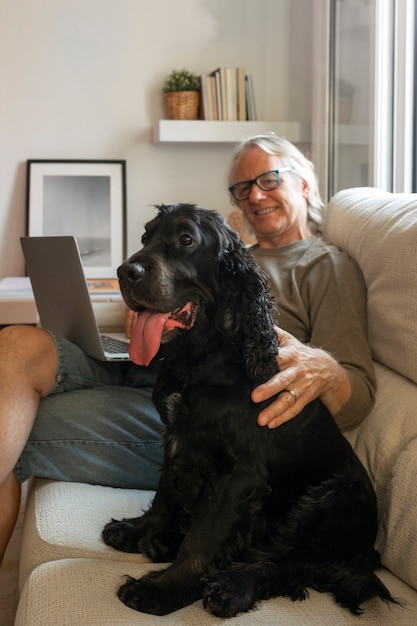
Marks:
<point>29,352</point>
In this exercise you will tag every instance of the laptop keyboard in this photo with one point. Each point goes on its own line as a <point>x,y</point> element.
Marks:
<point>114,346</point>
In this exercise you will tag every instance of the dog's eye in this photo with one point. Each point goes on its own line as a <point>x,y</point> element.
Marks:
<point>186,240</point>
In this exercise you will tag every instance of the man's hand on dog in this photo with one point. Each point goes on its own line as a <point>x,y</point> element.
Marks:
<point>305,374</point>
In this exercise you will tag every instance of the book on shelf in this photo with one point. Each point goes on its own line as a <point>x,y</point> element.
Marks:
<point>218,88</point>
<point>227,95</point>
<point>220,75</point>
<point>208,98</point>
<point>241,94</point>
<point>213,97</point>
<point>250,99</point>
<point>204,105</point>
<point>231,94</point>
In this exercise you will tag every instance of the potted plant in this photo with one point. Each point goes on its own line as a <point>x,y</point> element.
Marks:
<point>181,95</point>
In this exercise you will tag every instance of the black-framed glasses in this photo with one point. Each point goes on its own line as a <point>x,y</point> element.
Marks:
<point>268,181</point>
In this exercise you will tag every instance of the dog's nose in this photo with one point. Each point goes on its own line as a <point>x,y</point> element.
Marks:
<point>130,272</point>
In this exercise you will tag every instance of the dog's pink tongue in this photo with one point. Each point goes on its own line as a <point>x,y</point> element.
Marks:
<point>146,337</point>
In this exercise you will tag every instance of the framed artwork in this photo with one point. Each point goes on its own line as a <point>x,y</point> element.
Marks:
<point>86,199</point>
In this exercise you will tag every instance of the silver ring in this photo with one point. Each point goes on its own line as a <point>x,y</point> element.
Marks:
<point>294,395</point>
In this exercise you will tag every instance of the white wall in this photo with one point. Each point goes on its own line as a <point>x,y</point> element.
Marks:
<point>81,79</point>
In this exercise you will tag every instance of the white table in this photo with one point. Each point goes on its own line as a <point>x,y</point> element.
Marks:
<point>17,303</point>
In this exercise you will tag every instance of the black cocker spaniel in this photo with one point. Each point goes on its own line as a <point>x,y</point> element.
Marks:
<point>245,513</point>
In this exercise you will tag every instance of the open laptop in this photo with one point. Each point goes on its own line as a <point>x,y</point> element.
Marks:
<point>62,298</point>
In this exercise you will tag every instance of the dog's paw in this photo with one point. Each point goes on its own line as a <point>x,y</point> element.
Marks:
<point>147,596</point>
<point>135,593</point>
<point>121,535</point>
<point>224,595</point>
<point>161,546</point>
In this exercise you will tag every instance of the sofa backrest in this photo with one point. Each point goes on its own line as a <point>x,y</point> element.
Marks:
<point>379,230</point>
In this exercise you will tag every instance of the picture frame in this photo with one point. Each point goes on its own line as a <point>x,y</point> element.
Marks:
<point>84,198</point>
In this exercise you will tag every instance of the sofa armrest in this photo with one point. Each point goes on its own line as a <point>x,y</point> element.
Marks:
<point>386,443</point>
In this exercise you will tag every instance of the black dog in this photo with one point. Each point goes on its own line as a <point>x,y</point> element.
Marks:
<point>244,512</point>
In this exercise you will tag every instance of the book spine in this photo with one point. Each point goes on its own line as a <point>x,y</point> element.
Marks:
<point>212,97</point>
<point>241,94</point>
<point>231,93</point>
<point>250,99</point>
<point>204,105</point>
<point>218,88</point>
<point>223,93</point>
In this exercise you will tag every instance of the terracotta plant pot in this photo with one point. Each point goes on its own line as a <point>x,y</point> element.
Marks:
<point>181,105</point>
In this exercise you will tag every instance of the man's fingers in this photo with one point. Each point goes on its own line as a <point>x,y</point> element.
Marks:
<point>279,382</point>
<point>280,411</point>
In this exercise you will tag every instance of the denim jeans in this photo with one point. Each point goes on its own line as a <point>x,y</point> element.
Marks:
<point>98,426</point>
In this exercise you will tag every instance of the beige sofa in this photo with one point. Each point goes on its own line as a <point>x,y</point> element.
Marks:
<point>69,577</point>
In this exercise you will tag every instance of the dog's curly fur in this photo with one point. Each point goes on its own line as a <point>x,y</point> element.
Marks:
<point>244,512</point>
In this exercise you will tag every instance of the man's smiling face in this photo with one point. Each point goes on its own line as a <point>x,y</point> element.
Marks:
<point>277,217</point>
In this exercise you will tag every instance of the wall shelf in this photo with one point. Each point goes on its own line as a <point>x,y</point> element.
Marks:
<point>201,131</point>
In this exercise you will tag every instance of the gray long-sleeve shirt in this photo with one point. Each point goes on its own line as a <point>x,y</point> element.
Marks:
<point>320,298</point>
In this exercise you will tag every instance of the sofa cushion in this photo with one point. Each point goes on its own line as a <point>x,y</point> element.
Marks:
<point>379,230</point>
<point>389,428</point>
<point>76,592</point>
<point>384,442</point>
<point>398,528</point>
<point>66,519</point>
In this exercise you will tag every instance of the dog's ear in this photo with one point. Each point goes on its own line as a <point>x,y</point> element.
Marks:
<point>244,312</point>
